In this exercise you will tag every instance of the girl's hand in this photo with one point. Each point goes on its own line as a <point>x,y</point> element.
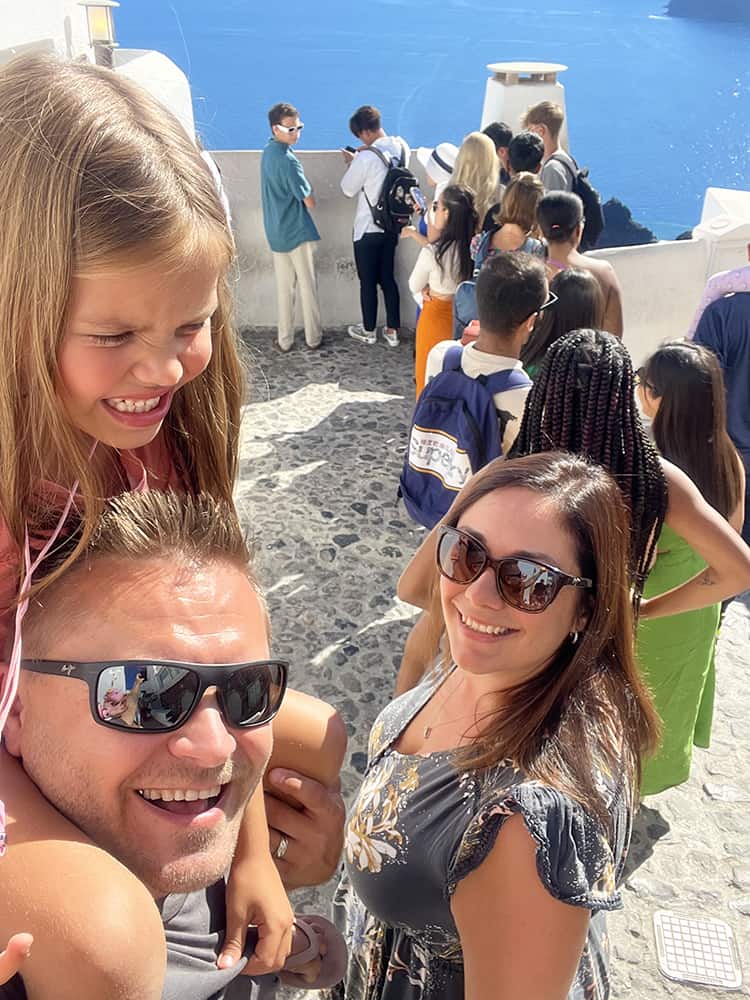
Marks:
<point>408,232</point>
<point>256,895</point>
<point>11,960</point>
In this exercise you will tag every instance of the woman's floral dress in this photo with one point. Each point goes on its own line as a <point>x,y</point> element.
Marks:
<point>419,826</point>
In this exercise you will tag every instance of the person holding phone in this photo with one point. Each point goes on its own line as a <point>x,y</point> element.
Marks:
<point>374,248</point>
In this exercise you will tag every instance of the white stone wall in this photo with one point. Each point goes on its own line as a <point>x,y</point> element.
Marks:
<point>59,25</point>
<point>337,279</point>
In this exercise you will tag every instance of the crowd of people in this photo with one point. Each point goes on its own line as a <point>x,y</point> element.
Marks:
<point>571,586</point>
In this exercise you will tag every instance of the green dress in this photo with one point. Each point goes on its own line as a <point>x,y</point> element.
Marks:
<point>676,655</point>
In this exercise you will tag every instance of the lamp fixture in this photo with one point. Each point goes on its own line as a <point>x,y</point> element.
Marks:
<point>100,22</point>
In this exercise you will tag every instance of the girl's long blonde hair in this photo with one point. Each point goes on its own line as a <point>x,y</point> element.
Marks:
<point>96,175</point>
<point>477,168</point>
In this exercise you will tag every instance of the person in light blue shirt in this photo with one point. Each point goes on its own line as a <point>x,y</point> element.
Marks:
<point>291,233</point>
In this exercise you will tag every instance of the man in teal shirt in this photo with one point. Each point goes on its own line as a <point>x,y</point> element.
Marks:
<point>290,231</point>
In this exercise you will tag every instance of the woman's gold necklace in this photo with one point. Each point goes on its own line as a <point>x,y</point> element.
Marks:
<point>428,729</point>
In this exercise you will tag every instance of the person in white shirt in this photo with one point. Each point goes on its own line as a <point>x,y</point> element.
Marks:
<point>443,263</point>
<point>512,291</point>
<point>374,249</point>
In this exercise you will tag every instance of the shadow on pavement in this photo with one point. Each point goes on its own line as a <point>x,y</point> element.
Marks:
<point>649,826</point>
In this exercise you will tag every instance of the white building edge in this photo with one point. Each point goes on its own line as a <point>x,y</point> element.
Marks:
<point>662,282</point>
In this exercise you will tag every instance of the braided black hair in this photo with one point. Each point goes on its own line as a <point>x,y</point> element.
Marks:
<point>583,401</point>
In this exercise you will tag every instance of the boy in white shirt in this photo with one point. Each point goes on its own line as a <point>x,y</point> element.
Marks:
<point>511,292</point>
<point>374,249</point>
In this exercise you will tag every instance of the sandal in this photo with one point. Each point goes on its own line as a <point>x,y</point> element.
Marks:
<point>332,965</point>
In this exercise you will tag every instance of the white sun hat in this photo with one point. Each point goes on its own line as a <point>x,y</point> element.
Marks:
<point>438,162</point>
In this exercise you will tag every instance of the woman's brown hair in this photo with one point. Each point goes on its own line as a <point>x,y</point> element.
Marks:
<point>690,426</point>
<point>97,176</point>
<point>520,201</point>
<point>588,710</point>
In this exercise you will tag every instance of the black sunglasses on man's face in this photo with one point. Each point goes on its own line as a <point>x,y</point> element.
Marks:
<point>159,696</point>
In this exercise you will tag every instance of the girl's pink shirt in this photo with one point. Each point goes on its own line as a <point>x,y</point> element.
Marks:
<point>149,467</point>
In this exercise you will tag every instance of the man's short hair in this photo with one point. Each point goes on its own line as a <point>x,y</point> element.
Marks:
<point>500,133</point>
<point>279,111</point>
<point>510,287</point>
<point>545,113</point>
<point>365,119</point>
<point>526,152</point>
<point>138,527</point>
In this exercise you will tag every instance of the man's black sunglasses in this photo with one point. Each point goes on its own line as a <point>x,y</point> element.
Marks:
<point>158,696</point>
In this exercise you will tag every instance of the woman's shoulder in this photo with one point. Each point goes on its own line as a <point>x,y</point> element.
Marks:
<point>601,268</point>
<point>578,861</point>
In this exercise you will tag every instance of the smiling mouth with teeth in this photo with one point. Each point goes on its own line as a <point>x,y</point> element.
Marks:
<point>134,405</point>
<point>476,626</point>
<point>182,801</point>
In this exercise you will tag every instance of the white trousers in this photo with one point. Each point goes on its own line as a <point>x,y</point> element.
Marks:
<point>293,270</point>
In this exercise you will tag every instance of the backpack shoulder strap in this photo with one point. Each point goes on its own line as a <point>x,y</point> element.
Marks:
<point>452,359</point>
<point>560,159</point>
<point>402,158</point>
<point>485,241</point>
<point>381,156</point>
<point>509,378</point>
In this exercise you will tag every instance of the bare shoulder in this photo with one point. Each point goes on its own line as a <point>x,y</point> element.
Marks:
<point>76,900</point>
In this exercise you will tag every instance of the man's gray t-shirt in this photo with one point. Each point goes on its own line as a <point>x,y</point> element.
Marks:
<point>194,927</point>
<point>555,173</point>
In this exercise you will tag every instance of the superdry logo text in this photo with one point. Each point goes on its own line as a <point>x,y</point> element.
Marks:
<point>438,454</point>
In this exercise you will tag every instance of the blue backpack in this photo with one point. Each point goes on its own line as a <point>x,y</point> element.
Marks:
<point>454,432</point>
<point>465,297</point>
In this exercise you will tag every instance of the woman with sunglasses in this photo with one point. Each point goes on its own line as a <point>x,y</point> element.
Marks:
<point>488,838</point>
<point>681,390</point>
<point>583,402</point>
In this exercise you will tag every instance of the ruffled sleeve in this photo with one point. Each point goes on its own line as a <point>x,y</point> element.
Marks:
<point>574,859</point>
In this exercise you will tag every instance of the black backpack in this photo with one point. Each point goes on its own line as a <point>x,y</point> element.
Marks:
<point>592,202</point>
<point>395,205</point>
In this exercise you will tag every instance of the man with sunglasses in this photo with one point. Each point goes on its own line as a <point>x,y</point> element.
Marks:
<point>142,716</point>
<point>291,233</point>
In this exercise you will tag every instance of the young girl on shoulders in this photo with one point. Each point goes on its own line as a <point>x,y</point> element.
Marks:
<point>121,372</point>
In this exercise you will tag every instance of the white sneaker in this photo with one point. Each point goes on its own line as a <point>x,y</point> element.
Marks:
<point>390,337</point>
<point>358,332</point>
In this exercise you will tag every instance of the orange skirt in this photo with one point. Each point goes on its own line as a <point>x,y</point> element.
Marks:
<point>435,324</point>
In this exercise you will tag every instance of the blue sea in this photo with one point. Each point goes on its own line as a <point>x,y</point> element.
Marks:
<point>658,107</point>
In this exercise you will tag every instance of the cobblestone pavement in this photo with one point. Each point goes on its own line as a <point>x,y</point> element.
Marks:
<point>322,445</point>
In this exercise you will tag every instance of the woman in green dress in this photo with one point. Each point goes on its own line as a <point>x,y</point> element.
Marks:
<point>681,390</point>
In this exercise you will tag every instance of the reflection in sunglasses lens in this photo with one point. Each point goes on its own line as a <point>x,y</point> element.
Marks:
<point>146,697</point>
<point>250,695</point>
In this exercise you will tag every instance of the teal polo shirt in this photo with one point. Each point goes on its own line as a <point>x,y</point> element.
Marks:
<point>283,187</point>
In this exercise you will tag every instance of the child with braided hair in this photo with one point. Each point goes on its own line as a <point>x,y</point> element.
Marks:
<point>583,401</point>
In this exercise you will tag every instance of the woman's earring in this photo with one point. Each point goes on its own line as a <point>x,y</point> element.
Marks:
<point>574,637</point>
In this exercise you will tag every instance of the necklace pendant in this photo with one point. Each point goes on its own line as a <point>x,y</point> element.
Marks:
<point>427,732</point>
